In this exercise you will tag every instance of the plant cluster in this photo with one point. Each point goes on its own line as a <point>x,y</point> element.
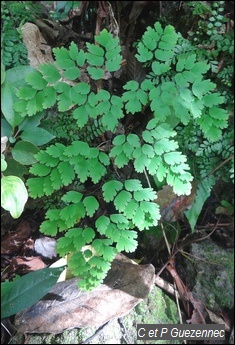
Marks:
<point>210,162</point>
<point>207,156</point>
<point>13,15</point>
<point>64,127</point>
<point>210,19</point>
<point>216,38</point>
<point>212,36</point>
<point>176,91</point>
<point>22,137</point>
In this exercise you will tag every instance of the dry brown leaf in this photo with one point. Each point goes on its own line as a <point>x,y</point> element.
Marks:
<point>171,205</point>
<point>194,309</point>
<point>13,241</point>
<point>183,291</point>
<point>67,307</point>
<point>23,264</point>
<point>220,321</point>
<point>134,68</point>
<point>137,8</point>
<point>196,318</point>
<point>38,50</point>
<point>28,248</point>
<point>198,314</point>
<point>4,141</point>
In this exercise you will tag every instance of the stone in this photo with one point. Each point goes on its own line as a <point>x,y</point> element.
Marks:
<point>211,275</point>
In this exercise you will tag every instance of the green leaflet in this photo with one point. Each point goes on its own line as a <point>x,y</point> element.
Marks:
<point>91,205</point>
<point>145,194</point>
<point>110,189</point>
<point>73,51</point>
<point>102,224</point>
<point>134,98</point>
<point>26,93</point>
<point>95,73</point>
<point>122,200</point>
<point>49,72</point>
<point>126,244</point>
<point>72,196</point>
<point>133,185</point>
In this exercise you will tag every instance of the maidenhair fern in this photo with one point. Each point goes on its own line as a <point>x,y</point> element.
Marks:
<point>207,158</point>
<point>60,165</point>
<point>176,89</point>
<point>157,153</point>
<point>64,127</point>
<point>55,83</point>
<point>97,226</point>
<point>210,161</point>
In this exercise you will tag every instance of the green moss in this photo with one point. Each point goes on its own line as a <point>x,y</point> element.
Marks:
<point>157,309</point>
<point>214,271</point>
<point>17,339</point>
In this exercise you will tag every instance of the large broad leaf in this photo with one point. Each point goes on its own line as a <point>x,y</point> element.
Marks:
<point>24,151</point>
<point>14,78</point>
<point>27,290</point>
<point>8,99</point>
<point>37,136</point>
<point>14,168</point>
<point>3,73</point>
<point>32,121</point>
<point>6,129</point>
<point>13,195</point>
<point>16,75</point>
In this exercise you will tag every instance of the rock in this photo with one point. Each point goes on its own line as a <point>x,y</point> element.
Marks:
<point>38,50</point>
<point>211,275</point>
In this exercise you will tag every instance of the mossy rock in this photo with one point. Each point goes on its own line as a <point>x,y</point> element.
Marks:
<point>212,275</point>
<point>157,309</point>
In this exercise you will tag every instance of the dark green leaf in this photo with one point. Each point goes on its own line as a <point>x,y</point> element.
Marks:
<point>8,99</point>
<point>24,151</point>
<point>28,289</point>
<point>37,136</point>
